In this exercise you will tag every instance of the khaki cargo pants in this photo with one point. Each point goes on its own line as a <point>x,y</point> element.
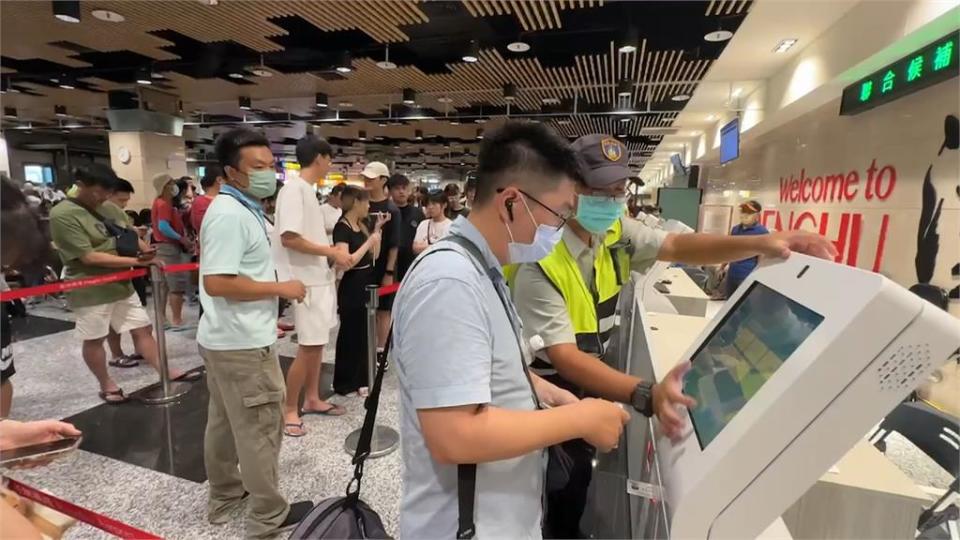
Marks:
<point>245,427</point>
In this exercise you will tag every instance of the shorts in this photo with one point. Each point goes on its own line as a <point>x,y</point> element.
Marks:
<point>172,254</point>
<point>94,322</point>
<point>316,316</point>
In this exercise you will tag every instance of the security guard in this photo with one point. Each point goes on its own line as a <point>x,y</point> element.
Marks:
<point>567,303</point>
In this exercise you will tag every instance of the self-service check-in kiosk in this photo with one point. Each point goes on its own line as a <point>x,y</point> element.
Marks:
<point>795,369</point>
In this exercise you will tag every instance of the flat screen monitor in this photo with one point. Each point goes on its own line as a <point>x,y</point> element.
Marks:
<point>757,336</point>
<point>678,167</point>
<point>730,141</point>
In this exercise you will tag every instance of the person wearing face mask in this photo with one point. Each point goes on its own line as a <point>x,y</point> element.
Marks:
<point>472,420</point>
<point>749,225</point>
<point>567,302</point>
<point>237,341</point>
<point>173,243</point>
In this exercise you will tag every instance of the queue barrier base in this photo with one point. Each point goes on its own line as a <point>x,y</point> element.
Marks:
<point>156,395</point>
<point>385,440</point>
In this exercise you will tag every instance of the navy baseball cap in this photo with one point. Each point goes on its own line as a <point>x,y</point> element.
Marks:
<point>603,160</point>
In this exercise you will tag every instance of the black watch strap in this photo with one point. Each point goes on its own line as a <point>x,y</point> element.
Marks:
<point>642,398</point>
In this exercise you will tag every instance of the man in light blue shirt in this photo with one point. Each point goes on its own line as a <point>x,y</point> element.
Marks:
<point>236,337</point>
<point>466,396</point>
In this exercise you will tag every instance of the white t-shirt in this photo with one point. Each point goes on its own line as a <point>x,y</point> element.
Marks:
<point>331,216</point>
<point>299,211</point>
<point>430,231</point>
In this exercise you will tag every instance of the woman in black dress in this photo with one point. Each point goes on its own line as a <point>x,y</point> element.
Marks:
<point>350,372</point>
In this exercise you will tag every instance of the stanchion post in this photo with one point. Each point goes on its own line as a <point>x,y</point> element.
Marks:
<point>385,439</point>
<point>167,390</point>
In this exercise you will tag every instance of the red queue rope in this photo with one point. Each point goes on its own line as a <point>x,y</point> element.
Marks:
<point>62,286</point>
<point>100,521</point>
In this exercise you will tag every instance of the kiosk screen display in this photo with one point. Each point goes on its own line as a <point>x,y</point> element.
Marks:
<point>757,336</point>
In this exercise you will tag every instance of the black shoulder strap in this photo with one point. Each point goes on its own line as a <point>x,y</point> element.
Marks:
<point>92,213</point>
<point>467,473</point>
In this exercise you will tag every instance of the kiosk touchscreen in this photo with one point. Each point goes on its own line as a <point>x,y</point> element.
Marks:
<point>797,367</point>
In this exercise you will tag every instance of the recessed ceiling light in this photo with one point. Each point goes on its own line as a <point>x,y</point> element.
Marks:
<point>473,53</point>
<point>409,96</point>
<point>108,16</point>
<point>481,120</point>
<point>563,122</point>
<point>382,123</point>
<point>346,104</point>
<point>630,41</point>
<point>67,10</point>
<point>518,46</point>
<point>785,45</point>
<point>156,75</point>
<point>321,100</point>
<point>445,99</point>
<point>276,108</point>
<point>718,36</point>
<point>236,75</point>
<point>143,76</point>
<point>261,72</point>
<point>625,119</point>
<point>681,97</point>
<point>624,88</point>
<point>386,64</point>
<point>344,63</point>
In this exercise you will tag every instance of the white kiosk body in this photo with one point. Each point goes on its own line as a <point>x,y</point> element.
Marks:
<point>798,366</point>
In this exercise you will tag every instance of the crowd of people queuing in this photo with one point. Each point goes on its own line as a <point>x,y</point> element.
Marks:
<point>262,247</point>
<point>467,395</point>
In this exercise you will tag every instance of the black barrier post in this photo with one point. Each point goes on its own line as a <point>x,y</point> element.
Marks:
<point>167,390</point>
<point>385,439</point>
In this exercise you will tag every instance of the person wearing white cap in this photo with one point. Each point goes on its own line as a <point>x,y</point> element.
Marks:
<point>375,176</point>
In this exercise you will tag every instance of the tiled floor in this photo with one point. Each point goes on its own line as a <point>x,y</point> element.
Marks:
<point>166,493</point>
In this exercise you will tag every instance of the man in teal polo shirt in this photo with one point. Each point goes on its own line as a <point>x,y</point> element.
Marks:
<point>236,337</point>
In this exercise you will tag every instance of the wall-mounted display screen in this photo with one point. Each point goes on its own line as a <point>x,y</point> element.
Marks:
<point>730,141</point>
<point>741,354</point>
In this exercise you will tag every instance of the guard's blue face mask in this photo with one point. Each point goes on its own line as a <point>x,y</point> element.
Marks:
<point>598,213</point>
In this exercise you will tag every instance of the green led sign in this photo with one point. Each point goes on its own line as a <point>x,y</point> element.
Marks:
<point>934,63</point>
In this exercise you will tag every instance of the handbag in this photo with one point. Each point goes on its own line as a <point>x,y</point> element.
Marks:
<point>126,240</point>
<point>349,517</point>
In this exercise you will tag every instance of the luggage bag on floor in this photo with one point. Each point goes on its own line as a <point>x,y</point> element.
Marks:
<point>348,517</point>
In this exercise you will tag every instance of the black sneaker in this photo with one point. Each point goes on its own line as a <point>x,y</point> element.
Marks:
<point>298,511</point>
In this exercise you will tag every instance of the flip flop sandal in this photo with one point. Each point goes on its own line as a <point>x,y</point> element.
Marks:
<point>124,361</point>
<point>105,395</point>
<point>190,376</point>
<point>135,356</point>
<point>334,410</point>
<point>288,433</point>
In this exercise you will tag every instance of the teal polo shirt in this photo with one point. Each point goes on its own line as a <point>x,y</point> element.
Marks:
<point>235,243</point>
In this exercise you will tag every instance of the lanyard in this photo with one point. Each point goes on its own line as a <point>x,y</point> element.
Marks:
<point>247,203</point>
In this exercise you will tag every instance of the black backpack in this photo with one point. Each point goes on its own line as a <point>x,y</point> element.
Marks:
<point>348,516</point>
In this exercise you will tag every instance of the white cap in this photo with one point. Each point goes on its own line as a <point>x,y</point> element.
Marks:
<point>375,169</point>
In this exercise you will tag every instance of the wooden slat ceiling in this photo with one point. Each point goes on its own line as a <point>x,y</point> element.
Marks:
<point>27,25</point>
<point>28,31</point>
<point>532,14</point>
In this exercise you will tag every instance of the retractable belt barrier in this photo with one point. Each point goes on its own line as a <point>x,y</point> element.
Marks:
<point>63,286</point>
<point>100,521</point>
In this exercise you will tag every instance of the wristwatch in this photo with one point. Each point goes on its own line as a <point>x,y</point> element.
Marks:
<point>388,272</point>
<point>642,398</point>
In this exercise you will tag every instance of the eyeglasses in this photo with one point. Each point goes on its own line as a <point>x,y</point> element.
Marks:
<point>564,218</point>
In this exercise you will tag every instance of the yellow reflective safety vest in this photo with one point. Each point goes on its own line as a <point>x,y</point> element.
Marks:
<point>591,306</point>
